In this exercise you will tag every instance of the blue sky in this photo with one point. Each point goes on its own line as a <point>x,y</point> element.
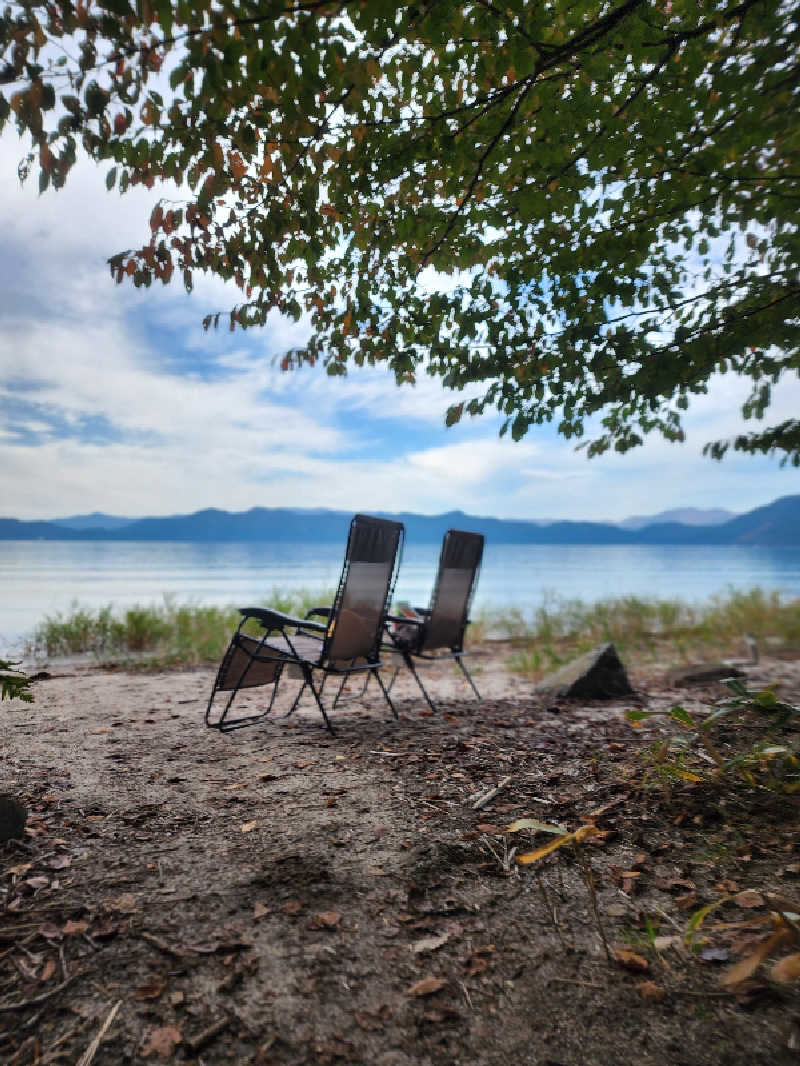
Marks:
<point>115,399</point>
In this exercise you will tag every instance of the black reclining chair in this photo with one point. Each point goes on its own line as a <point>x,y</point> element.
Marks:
<point>346,643</point>
<point>437,632</point>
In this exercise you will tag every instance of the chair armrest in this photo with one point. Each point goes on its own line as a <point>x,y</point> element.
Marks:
<point>404,619</point>
<point>324,612</point>
<point>270,619</point>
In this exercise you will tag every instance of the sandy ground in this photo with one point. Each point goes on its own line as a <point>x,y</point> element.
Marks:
<point>279,895</point>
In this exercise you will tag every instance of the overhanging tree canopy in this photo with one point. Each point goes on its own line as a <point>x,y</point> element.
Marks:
<point>613,188</point>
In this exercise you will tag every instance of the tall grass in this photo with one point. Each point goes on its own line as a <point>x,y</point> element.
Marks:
<point>555,631</point>
<point>647,629</point>
<point>167,632</point>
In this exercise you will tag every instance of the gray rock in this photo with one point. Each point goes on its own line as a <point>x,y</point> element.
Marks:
<point>701,674</point>
<point>12,819</point>
<point>596,675</point>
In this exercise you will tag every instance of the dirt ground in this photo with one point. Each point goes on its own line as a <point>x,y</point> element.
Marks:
<point>281,896</point>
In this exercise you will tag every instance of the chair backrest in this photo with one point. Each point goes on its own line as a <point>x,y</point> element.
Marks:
<point>372,559</point>
<point>459,564</point>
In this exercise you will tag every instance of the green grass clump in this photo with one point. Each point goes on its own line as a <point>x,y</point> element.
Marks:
<point>168,633</point>
<point>648,630</point>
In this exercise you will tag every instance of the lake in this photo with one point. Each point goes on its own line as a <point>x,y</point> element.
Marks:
<point>41,578</point>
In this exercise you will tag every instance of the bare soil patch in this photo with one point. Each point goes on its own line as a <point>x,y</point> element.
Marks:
<point>281,896</point>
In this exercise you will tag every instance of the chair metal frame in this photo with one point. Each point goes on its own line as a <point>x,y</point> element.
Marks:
<point>424,645</point>
<point>306,646</point>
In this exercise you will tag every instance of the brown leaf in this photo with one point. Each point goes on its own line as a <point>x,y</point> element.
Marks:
<point>71,928</point>
<point>151,990</point>
<point>48,971</point>
<point>786,969</point>
<point>489,827</point>
<point>260,910</point>
<point>292,907</point>
<point>426,987</point>
<point>124,904</point>
<point>430,943</point>
<point>162,1042</point>
<point>749,898</point>
<point>630,960</point>
<point>748,966</point>
<point>248,827</point>
<point>328,919</point>
<point>650,991</point>
<point>60,862</point>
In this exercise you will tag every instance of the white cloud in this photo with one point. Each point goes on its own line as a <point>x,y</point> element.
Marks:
<point>197,420</point>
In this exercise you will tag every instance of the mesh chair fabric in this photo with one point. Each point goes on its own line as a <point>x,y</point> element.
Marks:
<point>458,570</point>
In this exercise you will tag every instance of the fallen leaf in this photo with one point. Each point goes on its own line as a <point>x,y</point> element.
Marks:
<point>630,960</point>
<point>328,919</point>
<point>48,971</point>
<point>24,867</point>
<point>330,801</point>
<point>162,1042</point>
<point>787,969</point>
<point>749,898</point>
<point>430,943</point>
<point>124,904</point>
<point>748,966</point>
<point>301,764</point>
<point>260,910</point>
<point>36,883</point>
<point>650,991</point>
<point>490,828</point>
<point>151,990</point>
<point>176,998</point>
<point>292,907</point>
<point>248,827</point>
<point>662,943</point>
<point>71,928</point>
<point>60,862</point>
<point>426,987</point>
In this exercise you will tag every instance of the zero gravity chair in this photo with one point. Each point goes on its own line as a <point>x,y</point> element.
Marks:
<point>437,632</point>
<point>347,642</point>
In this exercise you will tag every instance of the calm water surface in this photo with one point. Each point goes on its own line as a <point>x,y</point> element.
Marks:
<point>39,578</point>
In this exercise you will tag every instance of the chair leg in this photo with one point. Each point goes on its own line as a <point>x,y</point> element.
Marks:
<point>310,682</point>
<point>418,679</point>
<point>466,674</point>
<point>293,708</point>
<point>384,690</point>
<point>393,678</point>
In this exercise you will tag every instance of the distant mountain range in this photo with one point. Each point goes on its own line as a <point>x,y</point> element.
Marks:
<point>777,523</point>
<point>685,516</point>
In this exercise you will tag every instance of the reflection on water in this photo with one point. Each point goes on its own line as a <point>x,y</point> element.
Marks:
<point>43,577</point>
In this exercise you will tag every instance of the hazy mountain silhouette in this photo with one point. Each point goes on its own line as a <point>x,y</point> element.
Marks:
<point>777,523</point>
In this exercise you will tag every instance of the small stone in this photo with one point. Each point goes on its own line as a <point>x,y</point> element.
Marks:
<point>701,674</point>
